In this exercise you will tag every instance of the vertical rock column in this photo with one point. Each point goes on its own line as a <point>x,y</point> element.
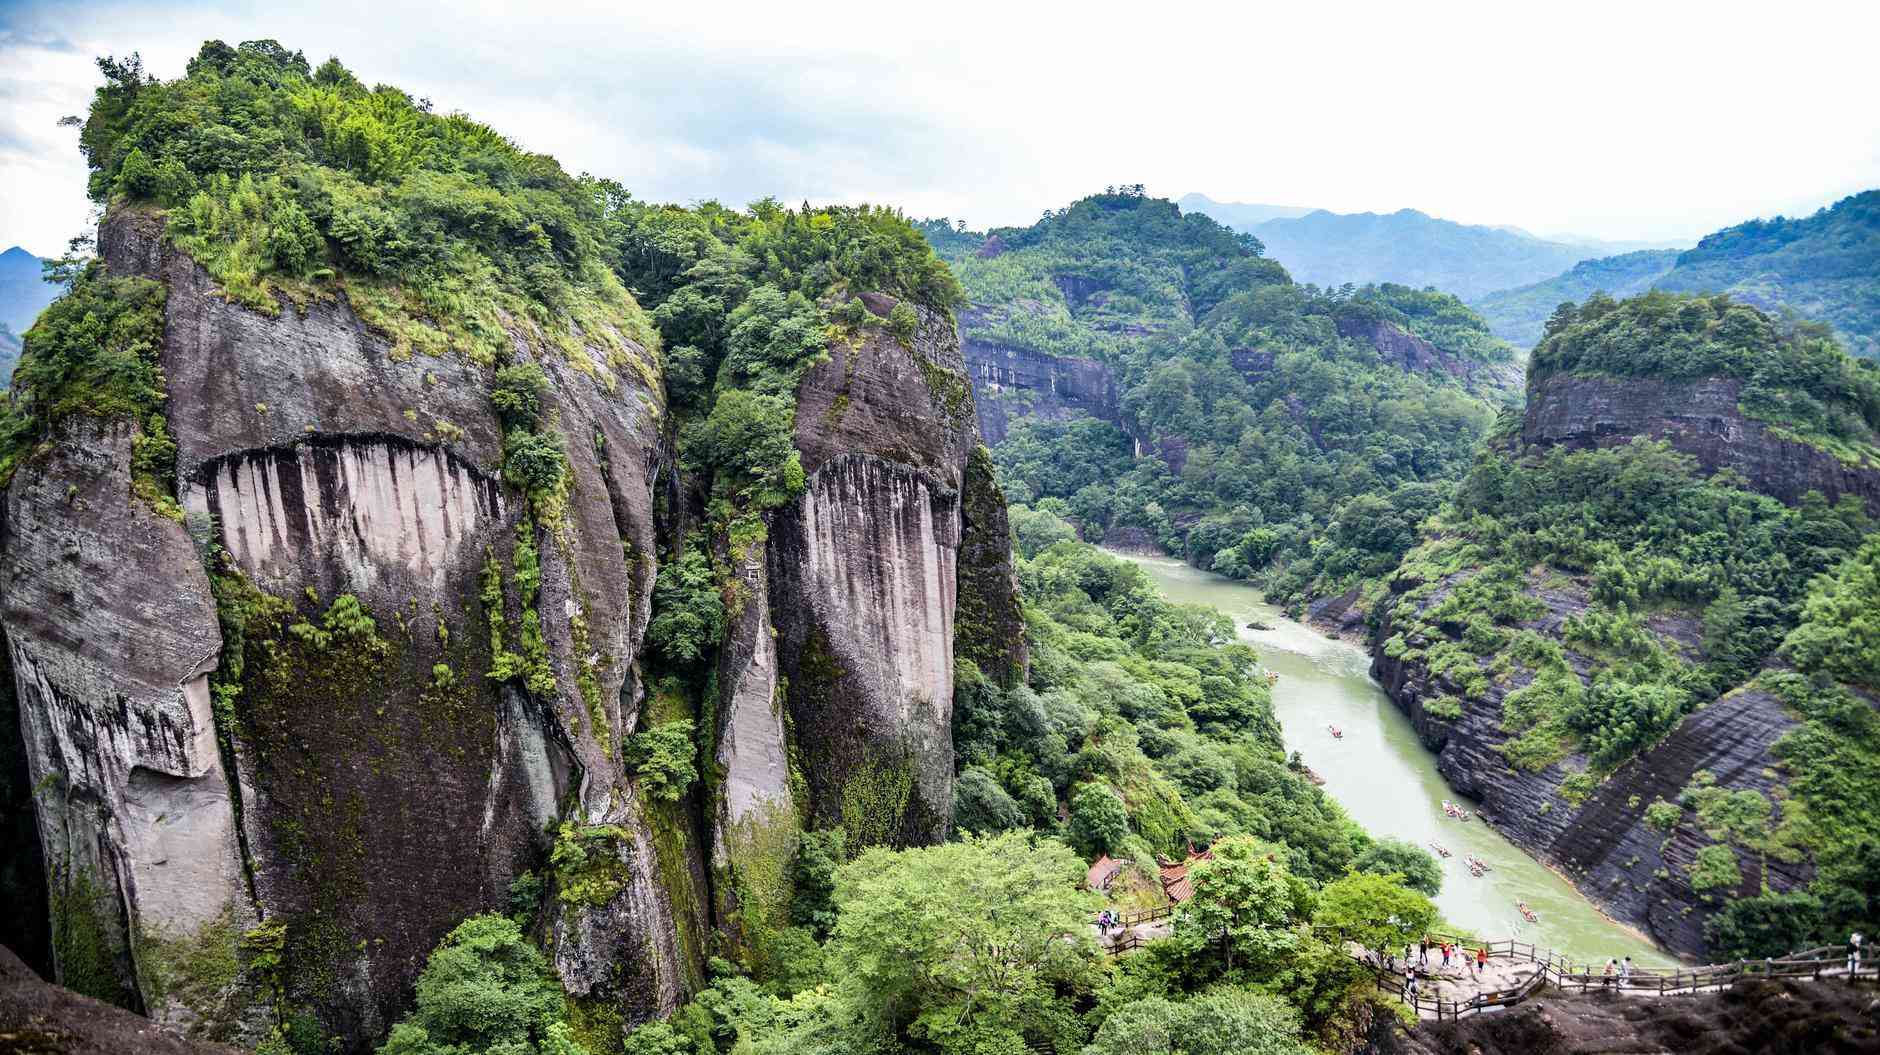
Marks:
<point>112,632</point>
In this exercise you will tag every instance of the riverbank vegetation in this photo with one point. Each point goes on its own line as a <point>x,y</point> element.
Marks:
<point>1599,598</point>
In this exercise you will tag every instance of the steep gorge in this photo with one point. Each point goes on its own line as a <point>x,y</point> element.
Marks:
<point>1472,618</point>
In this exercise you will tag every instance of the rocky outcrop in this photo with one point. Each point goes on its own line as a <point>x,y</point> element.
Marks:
<point>37,1018</point>
<point>112,635</point>
<point>1821,1017</point>
<point>1597,834</point>
<point>354,683</point>
<point>1010,382</point>
<point>865,579</point>
<point>1633,871</point>
<point>1700,418</point>
<point>1413,354</point>
<point>835,681</point>
<point>1342,615</point>
<point>757,812</point>
<point>373,784</point>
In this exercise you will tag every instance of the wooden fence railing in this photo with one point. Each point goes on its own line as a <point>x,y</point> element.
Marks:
<point>1148,915</point>
<point>1564,973</point>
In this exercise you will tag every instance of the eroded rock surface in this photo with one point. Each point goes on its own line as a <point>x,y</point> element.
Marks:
<point>386,786</point>
<point>280,709</point>
<point>1701,419</point>
<point>1636,873</point>
<point>112,633</point>
<point>1639,874</point>
<point>864,579</point>
<point>1010,383</point>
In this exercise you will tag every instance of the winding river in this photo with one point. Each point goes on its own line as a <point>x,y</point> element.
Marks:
<point>1387,781</point>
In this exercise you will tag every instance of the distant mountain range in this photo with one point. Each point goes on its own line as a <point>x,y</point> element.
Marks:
<point>1824,267</point>
<point>1519,315</point>
<point>1240,215</point>
<point>1407,247</point>
<point>23,293</point>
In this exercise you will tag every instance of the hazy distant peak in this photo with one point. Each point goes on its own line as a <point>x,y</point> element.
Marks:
<point>1241,214</point>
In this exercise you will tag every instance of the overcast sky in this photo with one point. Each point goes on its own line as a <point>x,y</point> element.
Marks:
<point>1644,119</point>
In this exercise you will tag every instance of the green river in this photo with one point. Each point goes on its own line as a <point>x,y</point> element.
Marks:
<point>1387,781</point>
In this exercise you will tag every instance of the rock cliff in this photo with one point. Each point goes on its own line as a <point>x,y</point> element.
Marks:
<point>1598,835</point>
<point>362,683</point>
<point>1700,418</point>
<point>1633,871</point>
<point>836,677</point>
<point>1011,383</point>
<point>325,610</point>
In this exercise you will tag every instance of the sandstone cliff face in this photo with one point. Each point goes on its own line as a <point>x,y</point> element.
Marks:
<point>280,710</point>
<point>1638,874</point>
<point>374,788</point>
<point>1010,383</point>
<point>112,634</point>
<point>1633,871</point>
<point>836,677</point>
<point>864,571</point>
<point>1699,418</point>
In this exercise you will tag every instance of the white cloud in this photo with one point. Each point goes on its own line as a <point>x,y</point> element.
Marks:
<point>1619,120</point>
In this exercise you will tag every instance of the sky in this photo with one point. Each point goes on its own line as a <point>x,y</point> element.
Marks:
<point>1650,120</point>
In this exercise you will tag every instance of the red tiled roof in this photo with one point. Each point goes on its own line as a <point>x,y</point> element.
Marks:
<point>1175,881</point>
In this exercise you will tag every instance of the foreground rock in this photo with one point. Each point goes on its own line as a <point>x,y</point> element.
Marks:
<point>1769,1018</point>
<point>38,1018</point>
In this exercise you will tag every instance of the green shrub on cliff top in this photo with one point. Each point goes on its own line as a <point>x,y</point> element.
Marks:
<point>282,180</point>
<point>94,352</point>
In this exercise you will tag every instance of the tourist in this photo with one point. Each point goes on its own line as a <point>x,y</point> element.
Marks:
<point>1611,967</point>
<point>1410,985</point>
<point>1853,953</point>
<point>1445,954</point>
<point>1423,952</point>
<point>1481,958</point>
<point>1625,972</point>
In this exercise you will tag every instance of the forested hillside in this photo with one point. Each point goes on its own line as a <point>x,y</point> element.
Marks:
<point>1263,428</point>
<point>1519,316</point>
<point>1822,268</point>
<point>1825,267</point>
<point>1598,637</point>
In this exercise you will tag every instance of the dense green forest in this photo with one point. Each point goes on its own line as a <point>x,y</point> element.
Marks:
<point>1820,267</point>
<point>1824,267</point>
<point>1642,543</point>
<point>1272,447</point>
<point>1519,316</point>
